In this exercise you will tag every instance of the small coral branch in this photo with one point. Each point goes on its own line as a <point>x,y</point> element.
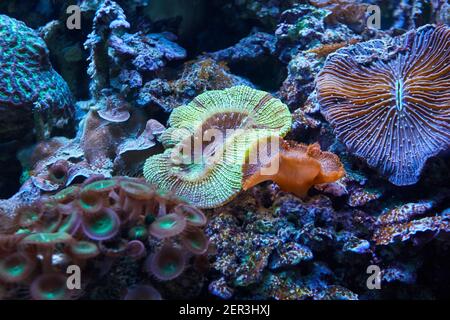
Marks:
<point>108,20</point>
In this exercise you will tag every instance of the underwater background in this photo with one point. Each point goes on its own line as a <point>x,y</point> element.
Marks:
<point>97,98</point>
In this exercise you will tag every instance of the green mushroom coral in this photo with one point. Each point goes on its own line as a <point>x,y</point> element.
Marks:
<point>208,142</point>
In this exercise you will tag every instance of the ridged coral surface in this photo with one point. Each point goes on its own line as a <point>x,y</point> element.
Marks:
<point>213,173</point>
<point>27,80</point>
<point>389,100</point>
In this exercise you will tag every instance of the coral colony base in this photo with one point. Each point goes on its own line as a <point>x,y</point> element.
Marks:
<point>212,149</point>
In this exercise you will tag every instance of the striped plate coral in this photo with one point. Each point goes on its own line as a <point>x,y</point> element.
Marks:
<point>389,100</point>
<point>208,140</point>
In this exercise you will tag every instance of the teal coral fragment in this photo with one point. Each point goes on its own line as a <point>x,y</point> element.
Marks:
<point>30,89</point>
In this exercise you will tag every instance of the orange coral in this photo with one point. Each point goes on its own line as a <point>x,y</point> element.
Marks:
<point>324,50</point>
<point>299,168</point>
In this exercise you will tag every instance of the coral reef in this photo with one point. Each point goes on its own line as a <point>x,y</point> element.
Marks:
<point>113,139</point>
<point>255,59</point>
<point>248,49</point>
<point>348,12</point>
<point>276,248</point>
<point>303,109</point>
<point>123,61</point>
<point>265,12</point>
<point>400,223</point>
<point>442,11</point>
<point>304,27</point>
<point>109,19</point>
<point>302,38</point>
<point>149,52</point>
